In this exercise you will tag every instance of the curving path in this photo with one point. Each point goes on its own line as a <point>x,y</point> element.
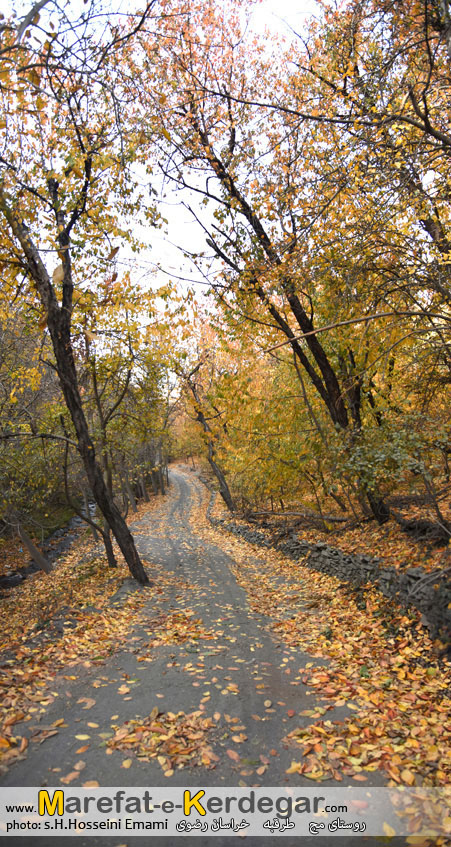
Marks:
<point>236,673</point>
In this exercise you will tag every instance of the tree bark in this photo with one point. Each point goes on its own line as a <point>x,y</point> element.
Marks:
<point>379,509</point>
<point>224,489</point>
<point>91,526</point>
<point>130,493</point>
<point>161,479</point>
<point>154,478</point>
<point>106,535</point>
<point>36,555</point>
<point>144,492</point>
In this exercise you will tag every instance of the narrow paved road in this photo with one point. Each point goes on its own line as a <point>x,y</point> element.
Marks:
<point>235,673</point>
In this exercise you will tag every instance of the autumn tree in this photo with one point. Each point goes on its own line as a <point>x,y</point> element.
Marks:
<point>65,181</point>
<point>197,382</point>
<point>30,467</point>
<point>257,234</point>
<point>315,209</point>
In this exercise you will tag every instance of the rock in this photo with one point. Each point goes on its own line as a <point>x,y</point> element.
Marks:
<point>11,581</point>
<point>358,570</point>
<point>414,573</point>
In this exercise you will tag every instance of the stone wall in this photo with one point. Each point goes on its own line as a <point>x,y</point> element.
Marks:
<point>430,593</point>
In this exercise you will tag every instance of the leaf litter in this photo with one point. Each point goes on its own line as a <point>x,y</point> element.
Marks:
<point>381,663</point>
<point>175,739</point>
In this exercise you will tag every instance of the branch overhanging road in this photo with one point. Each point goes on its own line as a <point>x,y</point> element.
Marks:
<point>242,672</point>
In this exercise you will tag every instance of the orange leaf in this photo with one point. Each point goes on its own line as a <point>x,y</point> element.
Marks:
<point>70,776</point>
<point>23,745</point>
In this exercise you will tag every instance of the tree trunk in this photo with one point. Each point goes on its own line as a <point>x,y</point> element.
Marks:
<point>161,479</point>
<point>109,547</point>
<point>129,491</point>
<point>36,555</point>
<point>223,486</point>
<point>378,508</point>
<point>69,384</point>
<point>144,492</point>
<point>92,528</point>
<point>224,489</point>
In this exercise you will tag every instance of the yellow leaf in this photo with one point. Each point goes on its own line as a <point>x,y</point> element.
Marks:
<point>418,841</point>
<point>388,830</point>
<point>295,767</point>
<point>408,777</point>
<point>58,274</point>
<point>127,763</point>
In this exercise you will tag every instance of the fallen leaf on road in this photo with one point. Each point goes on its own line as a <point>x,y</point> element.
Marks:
<point>174,739</point>
<point>88,701</point>
<point>70,776</point>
